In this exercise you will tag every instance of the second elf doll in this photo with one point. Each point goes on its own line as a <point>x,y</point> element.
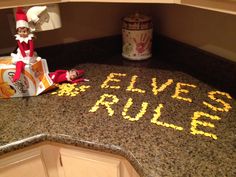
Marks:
<point>71,76</point>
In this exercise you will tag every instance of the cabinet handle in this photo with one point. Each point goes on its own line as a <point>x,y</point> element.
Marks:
<point>60,161</point>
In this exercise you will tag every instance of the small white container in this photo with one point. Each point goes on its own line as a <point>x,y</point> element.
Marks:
<point>137,37</point>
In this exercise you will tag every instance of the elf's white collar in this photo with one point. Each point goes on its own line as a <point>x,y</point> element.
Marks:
<point>24,39</point>
<point>68,76</point>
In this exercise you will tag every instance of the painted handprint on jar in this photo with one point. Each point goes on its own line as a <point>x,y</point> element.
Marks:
<point>137,37</point>
<point>142,42</point>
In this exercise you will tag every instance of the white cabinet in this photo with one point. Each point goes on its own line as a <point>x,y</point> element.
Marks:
<point>87,163</point>
<point>57,160</point>
<point>14,3</point>
<point>24,164</point>
<point>79,162</point>
<point>225,6</point>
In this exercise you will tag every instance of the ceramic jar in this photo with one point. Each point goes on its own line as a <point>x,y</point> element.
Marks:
<point>137,37</point>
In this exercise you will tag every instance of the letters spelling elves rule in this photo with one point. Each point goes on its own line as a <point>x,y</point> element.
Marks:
<point>180,89</point>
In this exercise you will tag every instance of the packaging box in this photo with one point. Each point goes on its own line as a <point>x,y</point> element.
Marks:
<point>33,81</point>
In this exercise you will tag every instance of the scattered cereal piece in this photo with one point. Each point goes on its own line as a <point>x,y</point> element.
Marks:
<point>67,89</point>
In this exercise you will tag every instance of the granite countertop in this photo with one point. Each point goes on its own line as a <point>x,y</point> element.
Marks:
<point>164,144</point>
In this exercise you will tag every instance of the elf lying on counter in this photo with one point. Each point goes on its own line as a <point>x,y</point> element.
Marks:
<point>71,76</point>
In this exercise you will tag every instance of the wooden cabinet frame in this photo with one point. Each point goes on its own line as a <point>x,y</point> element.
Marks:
<point>225,6</point>
<point>28,163</point>
<point>4,4</point>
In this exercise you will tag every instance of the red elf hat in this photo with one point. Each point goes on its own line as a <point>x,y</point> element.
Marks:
<point>21,18</point>
<point>79,72</point>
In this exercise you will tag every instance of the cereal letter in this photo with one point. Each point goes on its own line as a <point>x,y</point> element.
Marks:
<point>179,90</point>
<point>156,90</point>
<point>111,78</point>
<point>196,122</point>
<point>156,116</point>
<point>131,86</point>
<point>107,104</point>
<point>226,106</point>
<point>139,115</point>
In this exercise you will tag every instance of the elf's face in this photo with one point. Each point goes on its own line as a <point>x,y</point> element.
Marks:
<point>23,32</point>
<point>73,75</point>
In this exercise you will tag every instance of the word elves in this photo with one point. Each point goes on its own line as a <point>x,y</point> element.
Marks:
<point>179,90</point>
<point>108,100</point>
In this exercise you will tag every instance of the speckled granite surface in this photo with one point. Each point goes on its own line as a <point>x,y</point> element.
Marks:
<point>154,150</point>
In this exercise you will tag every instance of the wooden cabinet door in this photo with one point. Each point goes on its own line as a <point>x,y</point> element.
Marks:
<point>88,164</point>
<point>26,164</point>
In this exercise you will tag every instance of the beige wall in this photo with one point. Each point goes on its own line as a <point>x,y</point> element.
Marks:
<point>6,39</point>
<point>80,21</point>
<point>208,30</point>
<point>89,20</point>
<point>211,31</point>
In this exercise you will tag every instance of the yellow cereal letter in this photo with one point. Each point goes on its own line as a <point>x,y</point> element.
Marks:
<point>196,122</point>
<point>110,77</point>
<point>179,90</point>
<point>226,106</point>
<point>107,104</point>
<point>156,116</point>
<point>131,86</point>
<point>156,90</point>
<point>139,115</point>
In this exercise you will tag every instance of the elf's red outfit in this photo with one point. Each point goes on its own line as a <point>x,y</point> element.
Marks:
<point>25,52</point>
<point>60,76</point>
<point>26,46</point>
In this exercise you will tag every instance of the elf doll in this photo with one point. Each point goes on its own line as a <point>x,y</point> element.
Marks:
<point>25,53</point>
<point>71,76</point>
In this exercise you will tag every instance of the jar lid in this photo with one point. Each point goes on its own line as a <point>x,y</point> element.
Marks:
<point>137,22</point>
<point>137,17</point>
